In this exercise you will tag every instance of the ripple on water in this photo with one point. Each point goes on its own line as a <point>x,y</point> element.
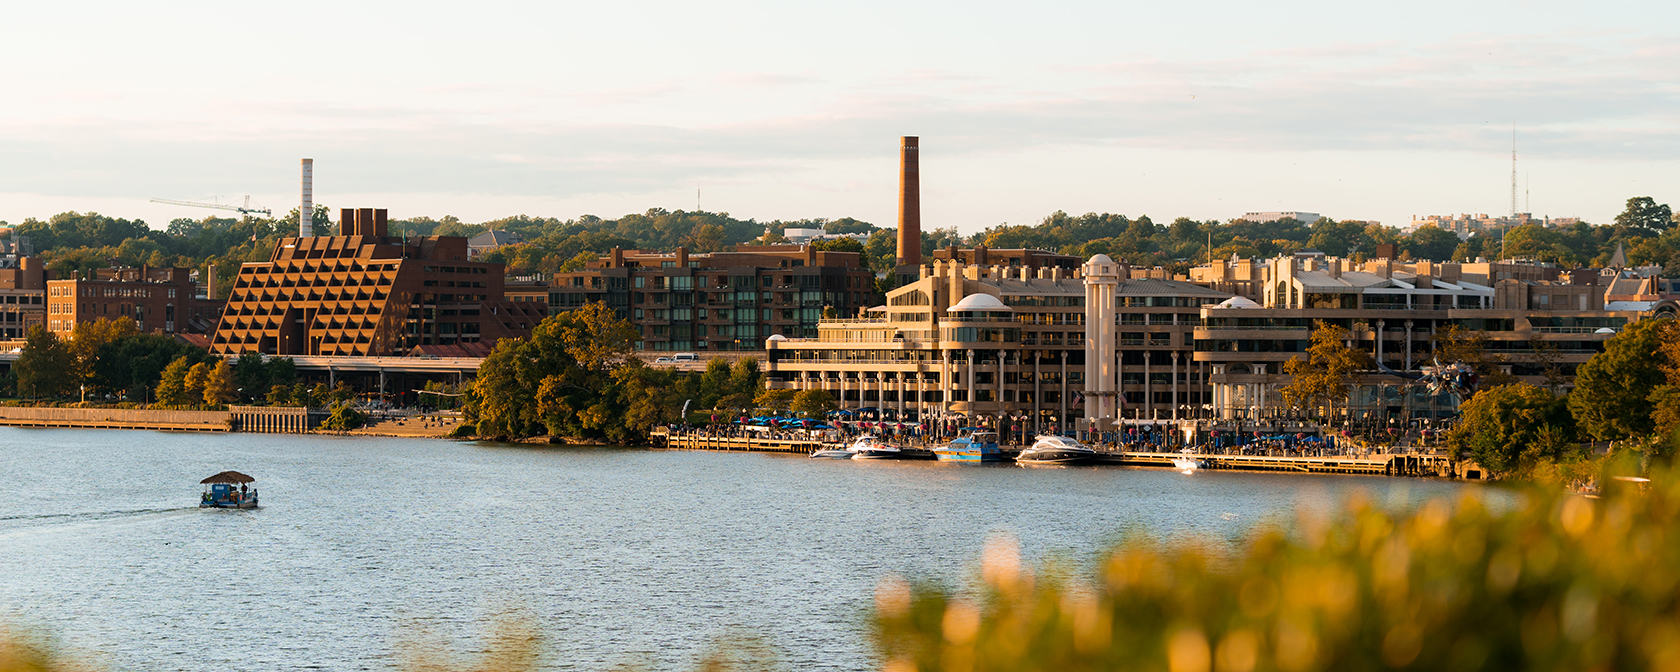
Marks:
<point>617,555</point>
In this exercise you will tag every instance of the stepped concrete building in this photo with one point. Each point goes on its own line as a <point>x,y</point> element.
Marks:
<point>364,292</point>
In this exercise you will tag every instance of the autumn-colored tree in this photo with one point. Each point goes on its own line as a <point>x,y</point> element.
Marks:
<point>197,377</point>
<point>813,403</point>
<point>1322,378</point>
<point>221,386</point>
<point>172,388</point>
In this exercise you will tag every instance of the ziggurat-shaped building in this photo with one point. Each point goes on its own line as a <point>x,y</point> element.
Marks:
<point>366,293</point>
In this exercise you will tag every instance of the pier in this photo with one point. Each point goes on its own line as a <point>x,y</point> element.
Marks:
<point>1377,465</point>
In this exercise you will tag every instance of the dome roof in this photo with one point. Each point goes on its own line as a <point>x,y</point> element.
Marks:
<point>1099,259</point>
<point>1237,302</point>
<point>776,337</point>
<point>978,302</point>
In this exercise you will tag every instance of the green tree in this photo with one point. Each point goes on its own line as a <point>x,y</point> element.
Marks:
<point>776,400</point>
<point>172,388</point>
<point>1612,390</point>
<point>301,395</point>
<point>1644,213</point>
<point>86,341</point>
<point>813,403</point>
<point>45,368</point>
<point>570,368</point>
<point>197,378</point>
<point>1456,344</point>
<point>1322,379</point>
<point>280,394</point>
<point>221,386</point>
<point>1431,242</point>
<point>344,418</point>
<point>745,376</point>
<point>1511,429</point>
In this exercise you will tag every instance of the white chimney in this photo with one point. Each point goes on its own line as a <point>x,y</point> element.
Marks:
<point>306,213</point>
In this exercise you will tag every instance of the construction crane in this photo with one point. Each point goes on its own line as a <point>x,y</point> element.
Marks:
<point>243,210</point>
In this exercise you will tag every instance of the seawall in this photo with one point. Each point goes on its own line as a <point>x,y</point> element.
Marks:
<point>116,418</point>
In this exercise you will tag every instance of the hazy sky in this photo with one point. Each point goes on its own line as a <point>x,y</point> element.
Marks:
<point>1357,110</point>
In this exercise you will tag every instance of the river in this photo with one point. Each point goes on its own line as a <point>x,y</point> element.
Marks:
<point>617,555</point>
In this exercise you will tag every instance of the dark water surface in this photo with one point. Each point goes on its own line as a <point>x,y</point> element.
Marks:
<point>617,555</point>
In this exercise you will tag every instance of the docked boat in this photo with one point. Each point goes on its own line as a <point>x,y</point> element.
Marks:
<point>871,447</point>
<point>229,490</point>
<point>831,454</point>
<point>1052,449</point>
<point>1187,461</point>
<point>973,447</point>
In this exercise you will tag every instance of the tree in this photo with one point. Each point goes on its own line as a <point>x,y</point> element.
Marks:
<point>1322,378</point>
<point>86,340</point>
<point>813,403</point>
<point>1431,242</point>
<point>775,400</point>
<point>1457,344</point>
<point>1511,429</point>
<point>1644,213</point>
<point>280,395</point>
<point>344,418</point>
<point>172,389</point>
<point>745,377</point>
<point>252,375</point>
<point>45,367</point>
<point>197,378</point>
<point>1612,390</point>
<point>221,386</point>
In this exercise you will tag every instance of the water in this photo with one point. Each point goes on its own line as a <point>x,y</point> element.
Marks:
<point>616,555</point>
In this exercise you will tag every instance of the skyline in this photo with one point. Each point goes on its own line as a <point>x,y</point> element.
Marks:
<point>795,112</point>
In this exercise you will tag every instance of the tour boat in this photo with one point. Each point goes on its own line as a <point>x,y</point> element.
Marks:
<point>1052,449</point>
<point>228,490</point>
<point>1188,462</point>
<point>832,453</point>
<point>870,447</point>
<point>974,447</point>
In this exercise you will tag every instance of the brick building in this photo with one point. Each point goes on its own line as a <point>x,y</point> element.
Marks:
<point>23,290</point>
<point>157,299</point>
<point>721,300</point>
<point>364,292</point>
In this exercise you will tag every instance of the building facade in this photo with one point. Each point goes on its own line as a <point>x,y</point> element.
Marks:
<point>719,300</point>
<point>162,300</point>
<point>1004,345</point>
<point>364,292</point>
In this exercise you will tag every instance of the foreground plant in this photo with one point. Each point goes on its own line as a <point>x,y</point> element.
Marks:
<point>1556,582</point>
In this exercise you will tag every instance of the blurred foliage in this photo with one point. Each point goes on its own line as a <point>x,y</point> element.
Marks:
<point>1550,581</point>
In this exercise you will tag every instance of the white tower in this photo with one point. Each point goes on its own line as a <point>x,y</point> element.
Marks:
<point>1102,280</point>
<point>306,211</point>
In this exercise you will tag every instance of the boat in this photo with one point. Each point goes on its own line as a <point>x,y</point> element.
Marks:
<point>870,447</point>
<point>228,490</point>
<point>1188,462</point>
<point>832,454</point>
<point>1053,449</point>
<point>972,447</point>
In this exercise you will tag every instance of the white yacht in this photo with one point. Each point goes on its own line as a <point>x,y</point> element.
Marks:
<point>1187,461</point>
<point>870,447</point>
<point>1052,449</point>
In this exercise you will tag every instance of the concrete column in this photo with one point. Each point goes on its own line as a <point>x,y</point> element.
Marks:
<point>1101,279</point>
<point>901,391</point>
<point>1064,416</point>
<point>1380,329</point>
<point>973,412</point>
<point>1038,392</point>
<point>1408,345</point>
<point>1003,408</point>
<point>1148,388</point>
<point>1176,402</point>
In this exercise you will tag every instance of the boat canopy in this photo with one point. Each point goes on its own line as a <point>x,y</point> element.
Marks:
<point>229,477</point>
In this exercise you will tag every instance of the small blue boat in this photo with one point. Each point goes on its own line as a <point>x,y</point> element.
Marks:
<point>976,447</point>
<point>228,490</point>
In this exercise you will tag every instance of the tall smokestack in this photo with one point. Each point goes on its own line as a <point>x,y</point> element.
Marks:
<point>306,212</point>
<point>909,206</point>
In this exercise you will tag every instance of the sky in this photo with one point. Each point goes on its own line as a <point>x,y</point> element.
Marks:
<point>787,110</point>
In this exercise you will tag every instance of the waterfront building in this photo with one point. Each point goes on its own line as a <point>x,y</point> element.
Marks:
<point>719,300</point>
<point>364,292</point>
<point>1006,346</point>
<point>1539,323</point>
<point>163,300</point>
<point>23,289</point>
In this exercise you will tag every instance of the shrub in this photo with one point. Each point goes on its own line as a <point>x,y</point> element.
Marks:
<point>344,418</point>
<point>1552,582</point>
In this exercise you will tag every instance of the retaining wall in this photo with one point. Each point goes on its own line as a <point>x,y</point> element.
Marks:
<point>115,418</point>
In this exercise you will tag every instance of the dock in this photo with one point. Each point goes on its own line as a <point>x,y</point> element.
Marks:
<point>1378,465</point>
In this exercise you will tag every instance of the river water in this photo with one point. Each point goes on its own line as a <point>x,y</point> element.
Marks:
<point>618,556</point>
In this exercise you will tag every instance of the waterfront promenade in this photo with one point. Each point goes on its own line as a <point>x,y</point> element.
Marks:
<point>1407,464</point>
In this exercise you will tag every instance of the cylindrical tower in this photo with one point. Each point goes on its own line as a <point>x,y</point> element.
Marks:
<point>1102,281</point>
<point>909,205</point>
<point>306,210</point>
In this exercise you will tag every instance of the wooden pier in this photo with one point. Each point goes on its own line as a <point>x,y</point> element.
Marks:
<point>1381,465</point>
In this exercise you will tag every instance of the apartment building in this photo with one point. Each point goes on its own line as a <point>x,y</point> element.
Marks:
<point>720,300</point>
<point>364,292</point>
<point>163,300</point>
